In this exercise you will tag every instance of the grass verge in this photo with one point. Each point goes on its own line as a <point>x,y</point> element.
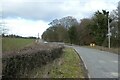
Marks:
<point>68,65</point>
<point>112,50</point>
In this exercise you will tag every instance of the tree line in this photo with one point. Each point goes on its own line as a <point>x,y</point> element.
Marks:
<point>86,31</point>
<point>17,36</point>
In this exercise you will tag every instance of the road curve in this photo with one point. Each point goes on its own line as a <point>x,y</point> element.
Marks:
<point>100,64</point>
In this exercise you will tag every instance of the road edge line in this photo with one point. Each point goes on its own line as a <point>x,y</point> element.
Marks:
<point>88,75</point>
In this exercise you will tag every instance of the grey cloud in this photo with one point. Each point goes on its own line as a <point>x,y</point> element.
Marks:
<point>32,10</point>
<point>46,10</point>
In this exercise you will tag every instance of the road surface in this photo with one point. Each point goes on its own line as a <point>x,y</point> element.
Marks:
<point>100,64</point>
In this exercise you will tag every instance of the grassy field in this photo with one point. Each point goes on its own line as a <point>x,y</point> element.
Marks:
<point>11,44</point>
<point>68,65</point>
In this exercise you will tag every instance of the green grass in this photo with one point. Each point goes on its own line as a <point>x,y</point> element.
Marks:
<point>69,65</point>
<point>11,44</point>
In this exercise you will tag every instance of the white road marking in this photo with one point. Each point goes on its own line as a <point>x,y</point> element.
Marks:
<point>114,74</point>
<point>84,64</point>
<point>115,62</point>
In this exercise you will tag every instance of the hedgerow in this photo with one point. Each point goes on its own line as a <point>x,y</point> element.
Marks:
<point>19,65</point>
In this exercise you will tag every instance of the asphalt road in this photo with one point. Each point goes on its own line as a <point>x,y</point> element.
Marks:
<point>100,64</point>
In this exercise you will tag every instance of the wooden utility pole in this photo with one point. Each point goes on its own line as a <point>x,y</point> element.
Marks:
<point>38,35</point>
<point>109,33</point>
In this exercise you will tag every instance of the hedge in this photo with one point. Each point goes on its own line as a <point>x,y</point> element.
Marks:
<point>16,66</point>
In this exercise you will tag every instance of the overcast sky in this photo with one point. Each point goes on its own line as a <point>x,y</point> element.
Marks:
<point>30,17</point>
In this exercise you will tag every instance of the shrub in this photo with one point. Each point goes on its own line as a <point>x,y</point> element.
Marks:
<point>20,65</point>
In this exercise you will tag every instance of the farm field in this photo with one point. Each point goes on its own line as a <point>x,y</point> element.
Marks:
<point>13,44</point>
